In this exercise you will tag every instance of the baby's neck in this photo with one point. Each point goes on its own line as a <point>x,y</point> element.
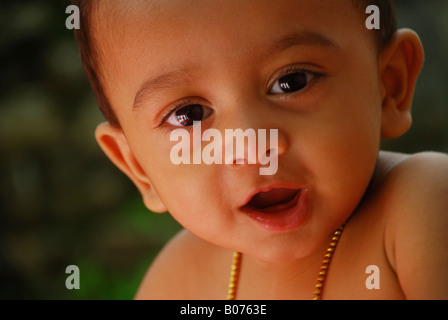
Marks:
<point>295,279</point>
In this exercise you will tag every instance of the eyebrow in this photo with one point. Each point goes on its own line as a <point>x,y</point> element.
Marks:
<point>166,80</point>
<point>303,38</point>
<point>171,79</point>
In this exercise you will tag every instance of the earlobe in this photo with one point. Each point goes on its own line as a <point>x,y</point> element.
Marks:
<point>115,145</point>
<point>400,64</point>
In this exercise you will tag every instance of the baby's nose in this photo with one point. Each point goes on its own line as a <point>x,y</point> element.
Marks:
<point>240,146</point>
<point>253,146</point>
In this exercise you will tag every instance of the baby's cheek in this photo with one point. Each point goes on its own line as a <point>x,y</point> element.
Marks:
<point>345,171</point>
<point>186,186</point>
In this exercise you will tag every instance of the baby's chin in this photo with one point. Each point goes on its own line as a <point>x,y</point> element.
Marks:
<point>283,251</point>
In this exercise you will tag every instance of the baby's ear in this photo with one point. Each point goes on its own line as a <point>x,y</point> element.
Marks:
<point>115,145</point>
<point>400,64</point>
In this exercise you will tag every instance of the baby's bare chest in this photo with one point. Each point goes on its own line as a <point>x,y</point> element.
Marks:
<point>361,266</point>
<point>365,276</point>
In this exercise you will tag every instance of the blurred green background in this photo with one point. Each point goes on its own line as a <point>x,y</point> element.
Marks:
<point>62,202</point>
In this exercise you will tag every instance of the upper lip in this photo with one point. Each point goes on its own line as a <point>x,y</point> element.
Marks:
<point>249,197</point>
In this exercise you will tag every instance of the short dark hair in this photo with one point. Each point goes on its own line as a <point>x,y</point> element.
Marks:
<point>90,57</point>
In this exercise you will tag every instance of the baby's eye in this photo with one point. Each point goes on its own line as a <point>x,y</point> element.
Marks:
<point>292,82</point>
<point>184,117</point>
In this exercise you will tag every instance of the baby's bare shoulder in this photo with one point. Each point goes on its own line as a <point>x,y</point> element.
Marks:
<point>187,268</point>
<point>418,182</point>
<point>431,167</point>
<point>422,175</point>
<point>415,196</point>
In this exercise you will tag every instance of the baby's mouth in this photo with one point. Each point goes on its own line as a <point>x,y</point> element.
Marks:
<point>278,209</point>
<point>273,200</point>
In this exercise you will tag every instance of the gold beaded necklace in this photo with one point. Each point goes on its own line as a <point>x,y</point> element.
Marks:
<point>236,265</point>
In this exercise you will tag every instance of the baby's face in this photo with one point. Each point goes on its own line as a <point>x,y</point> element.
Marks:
<point>307,68</point>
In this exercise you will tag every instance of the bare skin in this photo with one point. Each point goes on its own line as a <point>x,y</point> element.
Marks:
<point>388,230</point>
<point>228,57</point>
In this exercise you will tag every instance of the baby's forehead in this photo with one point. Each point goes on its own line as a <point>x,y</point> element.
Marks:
<point>116,10</point>
<point>154,35</point>
<point>115,17</point>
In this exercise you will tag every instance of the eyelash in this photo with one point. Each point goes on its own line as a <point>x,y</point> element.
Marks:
<point>177,107</point>
<point>172,110</point>
<point>296,69</point>
<point>287,71</point>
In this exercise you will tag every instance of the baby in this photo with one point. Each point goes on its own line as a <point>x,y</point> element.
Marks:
<point>330,88</point>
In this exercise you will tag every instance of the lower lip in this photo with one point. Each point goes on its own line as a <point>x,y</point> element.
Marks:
<point>283,220</point>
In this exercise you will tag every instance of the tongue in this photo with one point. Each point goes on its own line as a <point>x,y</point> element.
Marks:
<point>272,198</point>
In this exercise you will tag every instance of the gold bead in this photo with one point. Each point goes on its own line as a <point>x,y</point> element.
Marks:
<point>326,262</point>
<point>234,275</point>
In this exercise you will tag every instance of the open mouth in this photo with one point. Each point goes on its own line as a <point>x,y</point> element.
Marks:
<point>274,200</point>
<point>278,209</point>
